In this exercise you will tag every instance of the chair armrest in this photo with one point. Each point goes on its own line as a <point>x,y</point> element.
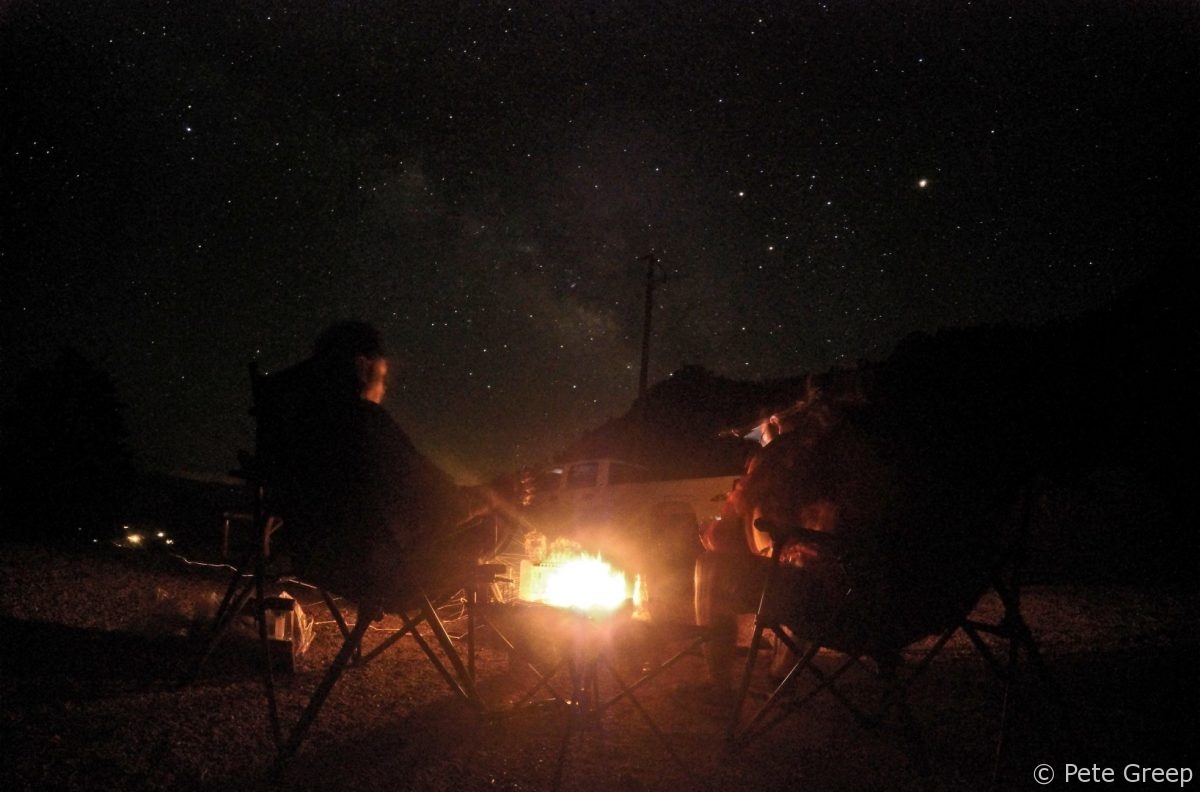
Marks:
<point>781,534</point>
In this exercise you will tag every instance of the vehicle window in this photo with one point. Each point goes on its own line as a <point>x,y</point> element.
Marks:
<point>547,481</point>
<point>582,475</point>
<point>619,473</point>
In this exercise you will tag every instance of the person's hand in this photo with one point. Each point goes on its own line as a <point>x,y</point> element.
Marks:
<point>723,536</point>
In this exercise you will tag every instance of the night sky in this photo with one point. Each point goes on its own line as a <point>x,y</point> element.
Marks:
<point>189,186</point>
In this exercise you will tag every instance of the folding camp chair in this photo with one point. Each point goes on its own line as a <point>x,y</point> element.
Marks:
<point>278,401</point>
<point>866,629</point>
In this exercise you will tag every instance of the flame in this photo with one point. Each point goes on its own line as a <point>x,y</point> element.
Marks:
<point>580,582</point>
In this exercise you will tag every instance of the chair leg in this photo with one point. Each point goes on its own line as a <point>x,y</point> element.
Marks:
<point>747,674</point>
<point>265,643</point>
<point>236,595</point>
<point>543,679</point>
<point>626,691</point>
<point>460,680</point>
<point>345,655</point>
<point>339,620</point>
<point>408,625</point>
<point>1016,630</point>
<point>760,623</point>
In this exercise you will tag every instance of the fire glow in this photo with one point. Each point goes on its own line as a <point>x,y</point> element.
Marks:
<point>579,582</point>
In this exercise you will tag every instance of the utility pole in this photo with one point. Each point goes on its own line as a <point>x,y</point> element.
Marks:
<point>651,265</point>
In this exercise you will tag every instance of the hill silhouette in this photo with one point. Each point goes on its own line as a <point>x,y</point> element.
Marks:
<point>1094,412</point>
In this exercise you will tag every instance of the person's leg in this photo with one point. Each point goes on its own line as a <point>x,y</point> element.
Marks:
<point>727,584</point>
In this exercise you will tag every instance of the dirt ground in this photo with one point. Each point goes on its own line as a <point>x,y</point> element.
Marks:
<point>94,646</point>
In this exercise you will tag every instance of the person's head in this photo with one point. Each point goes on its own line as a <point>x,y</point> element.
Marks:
<point>770,429</point>
<point>354,360</point>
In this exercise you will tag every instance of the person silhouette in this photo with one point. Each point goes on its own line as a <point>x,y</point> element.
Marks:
<point>366,514</point>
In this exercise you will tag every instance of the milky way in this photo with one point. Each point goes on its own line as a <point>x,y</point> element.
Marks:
<point>192,186</point>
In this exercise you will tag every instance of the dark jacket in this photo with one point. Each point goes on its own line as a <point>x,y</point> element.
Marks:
<point>365,513</point>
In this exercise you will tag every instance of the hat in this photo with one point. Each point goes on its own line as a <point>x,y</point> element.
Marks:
<point>349,339</point>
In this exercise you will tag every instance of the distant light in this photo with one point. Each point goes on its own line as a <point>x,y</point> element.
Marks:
<point>134,538</point>
<point>923,183</point>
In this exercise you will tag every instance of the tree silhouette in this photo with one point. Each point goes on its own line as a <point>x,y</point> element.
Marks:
<point>66,465</point>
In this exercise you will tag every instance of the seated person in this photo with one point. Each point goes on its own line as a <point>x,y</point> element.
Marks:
<point>917,519</point>
<point>366,515</point>
<point>793,480</point>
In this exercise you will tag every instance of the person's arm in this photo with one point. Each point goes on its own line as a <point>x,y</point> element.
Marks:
<point>728,533</point>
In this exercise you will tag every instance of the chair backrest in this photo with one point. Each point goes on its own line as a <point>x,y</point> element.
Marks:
<point>268,416</point>
<point>279,401</point>
<point>284,404</point>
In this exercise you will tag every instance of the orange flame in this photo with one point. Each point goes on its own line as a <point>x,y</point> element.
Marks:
<point>579,582</point>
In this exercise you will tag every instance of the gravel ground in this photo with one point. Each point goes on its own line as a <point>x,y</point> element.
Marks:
<point>94,646</point>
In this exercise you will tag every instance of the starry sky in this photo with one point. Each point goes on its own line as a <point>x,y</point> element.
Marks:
<point>190,186</point>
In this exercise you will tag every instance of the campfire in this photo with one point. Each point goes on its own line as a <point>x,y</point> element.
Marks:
<point>569,578</point>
